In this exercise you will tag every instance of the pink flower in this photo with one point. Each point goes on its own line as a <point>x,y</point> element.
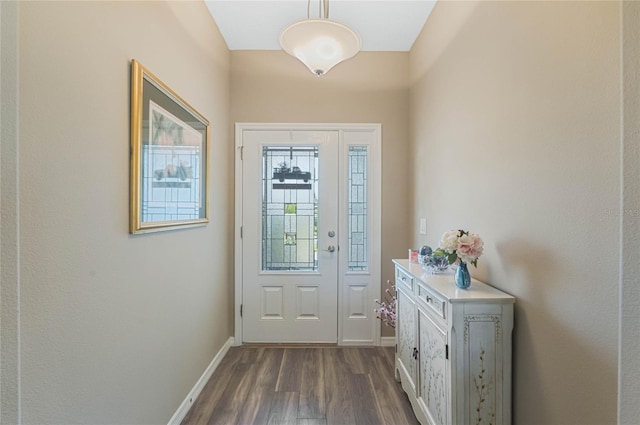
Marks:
<point>387,310</point>
<point>470,247</point>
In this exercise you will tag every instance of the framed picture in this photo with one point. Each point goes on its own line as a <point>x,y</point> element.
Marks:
<point>169,158</point>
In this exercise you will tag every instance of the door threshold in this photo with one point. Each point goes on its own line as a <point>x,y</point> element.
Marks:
<point>289,344</point>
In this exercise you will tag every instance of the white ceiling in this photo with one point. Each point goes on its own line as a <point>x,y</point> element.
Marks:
<point>383,25</point>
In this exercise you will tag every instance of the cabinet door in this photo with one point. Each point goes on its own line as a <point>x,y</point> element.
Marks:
<point>484,384</point>
<point>434,383</point>
<point>406,333</point>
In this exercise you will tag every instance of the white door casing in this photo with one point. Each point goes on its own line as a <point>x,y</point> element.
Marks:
<point>355,268</point>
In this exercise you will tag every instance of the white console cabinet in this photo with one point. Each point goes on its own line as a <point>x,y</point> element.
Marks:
<point>453,348</point>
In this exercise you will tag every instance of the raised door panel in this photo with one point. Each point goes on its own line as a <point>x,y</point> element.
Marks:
<point>406,329</point>
<point>434,382</point>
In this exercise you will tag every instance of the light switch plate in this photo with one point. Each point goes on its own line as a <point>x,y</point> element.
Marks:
<point>423,226</point>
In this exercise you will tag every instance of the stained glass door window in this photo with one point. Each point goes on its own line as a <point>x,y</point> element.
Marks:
<point>290,208</point>
<point>357,209</point>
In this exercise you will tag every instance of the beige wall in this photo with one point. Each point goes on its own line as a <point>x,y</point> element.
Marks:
<point>629,367</point>
<point>514,112</point>
<point>271,86</point>
<point>515,117</point>
<point>114,328</point>
<point>9,235</point>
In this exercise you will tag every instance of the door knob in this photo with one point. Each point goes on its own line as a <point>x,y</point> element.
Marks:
<point>330,248</point>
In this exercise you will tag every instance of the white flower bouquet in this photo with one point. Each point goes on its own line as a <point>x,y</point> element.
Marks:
<point>462,246</point>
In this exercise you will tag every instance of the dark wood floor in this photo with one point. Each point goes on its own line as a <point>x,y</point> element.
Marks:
<point>303,385</point>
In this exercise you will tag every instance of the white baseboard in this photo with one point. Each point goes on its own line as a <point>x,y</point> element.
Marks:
<point>356,343</point>
<point>195,391</point>
<point>387,341</point>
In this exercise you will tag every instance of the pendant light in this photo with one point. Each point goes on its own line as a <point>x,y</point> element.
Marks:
<point>320,44</point>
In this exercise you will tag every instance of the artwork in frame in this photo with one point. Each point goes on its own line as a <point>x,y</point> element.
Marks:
<point>169,158</point>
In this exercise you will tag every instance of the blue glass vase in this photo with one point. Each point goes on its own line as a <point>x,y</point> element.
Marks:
<point>463,279</point>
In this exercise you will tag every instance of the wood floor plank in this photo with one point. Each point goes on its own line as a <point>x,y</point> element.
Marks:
<point>364,409</point>
<point>391,398</point>
<point>389,354</point>
<point>203,406</point>
<point>312,422</point>
<point>284,408</point>
<point>393,405</point>
<point>240,387</point>
<point>290,375</point>
<point>258,402</point>
<point>353,357</point>
<point>339,409</point>
<point>226,409</point>
<point>312,396</point>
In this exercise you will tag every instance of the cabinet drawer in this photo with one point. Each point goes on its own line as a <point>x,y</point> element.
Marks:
<point>404,279</point>
<point>435,303</point>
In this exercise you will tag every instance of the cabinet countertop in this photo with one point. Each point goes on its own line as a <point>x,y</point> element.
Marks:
<point>445,284</point>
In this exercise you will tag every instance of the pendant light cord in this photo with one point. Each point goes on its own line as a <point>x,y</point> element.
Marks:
<point>323,9</point>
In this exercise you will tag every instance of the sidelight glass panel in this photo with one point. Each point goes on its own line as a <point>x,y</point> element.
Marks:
<point>290,208</point>
<point>357,222</point>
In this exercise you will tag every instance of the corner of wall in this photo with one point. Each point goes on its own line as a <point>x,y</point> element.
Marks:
<point>9,222</point>
<point>629,338</point>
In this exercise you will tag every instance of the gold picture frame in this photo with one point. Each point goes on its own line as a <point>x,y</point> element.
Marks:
<point>169,167</point>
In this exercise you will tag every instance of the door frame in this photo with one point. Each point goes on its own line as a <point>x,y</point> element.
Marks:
<point>375,227</point>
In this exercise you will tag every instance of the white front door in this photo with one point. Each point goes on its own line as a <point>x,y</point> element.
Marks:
<point>308,240</point>
<point>290,223</point>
